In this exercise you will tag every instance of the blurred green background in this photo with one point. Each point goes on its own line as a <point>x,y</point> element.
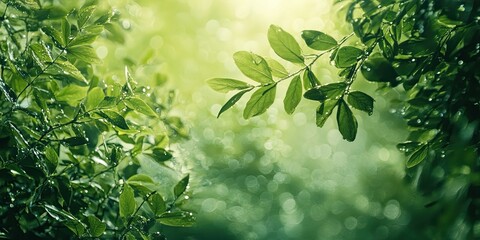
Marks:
<point>275,176</point>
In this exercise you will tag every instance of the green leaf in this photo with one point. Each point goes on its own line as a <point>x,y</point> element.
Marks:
<point>253,66</point>
<point>361,101</point>
<point>234,99</point>
<point>41,54</point>
<point>142,183</point>
<point>96,227</point>
<point>318,40</point>
<point>140,106</point>
<point>408,146</point>
<point>84,14</point>
<point>52,158</point>
<point>65,68</point>
<point>114,118</point>
<point>181,186</point>
<point>314,94</point>
<point>333,90</point>
<point>177,219</point>
<point>278,70</point>
<point>418,156</point>
<point>284,45</point>
<point>83,39</point>
<point>161,155</point>
<point>293,95</point>
<point>66,30</point>
<point>324,111</point>
<point>75,141</point>
<point>75,226</point>
<point>94,97</point>
<point>127,202</point>
<point>378,69</point>
<point>55,35</point>
<point>157,204</point>
<point>309,79</point>
<point>347,124</point>
<point>84,53</point>
<point>260,101</point>
<point>72,94</point>
<point>226,84</point>
<point>347,56</point>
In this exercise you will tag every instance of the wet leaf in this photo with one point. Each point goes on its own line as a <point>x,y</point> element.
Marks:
<point>318,40</point>
<point>140,106</point>
<point>260,101</point>
<point>361,101</point>
<point>177,219</point>
<point>418,156</point>
<point>284,45</point>
<point>253,66</point>
<point>347,56</point>
<point>347,124</point>
<point>127,202</point>
<point>95,226</point>
<point>181,186</point>
<point>234,99</point>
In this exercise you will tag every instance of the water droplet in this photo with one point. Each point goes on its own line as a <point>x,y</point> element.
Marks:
<point>460,63</point>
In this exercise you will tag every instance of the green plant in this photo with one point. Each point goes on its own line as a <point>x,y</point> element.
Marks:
<point>71,141</point>
<point>427,50</point>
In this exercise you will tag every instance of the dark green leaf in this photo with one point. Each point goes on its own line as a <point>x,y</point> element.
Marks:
<point>314,94</point>
<point>181,186</point>
<point>84,53</point>
<point>161,155</point>
<point>361,101</point>
<point>94,97</point>
<point>324,111</point>
<point>8,92</point>
<point>409,146</point>
<point>418,156</point>
<point>333,90</point>
<point>253,66</point>
<point>378,69</point>
<point>51,12</point>
<point>96,227</point>
<point>318,40</point>
<point>75,226</point>
<point>347,124</point>
<point>114,118</point>
<point>226,84</point>
<point>177,219</point>
<point>157,204</point>
<point>52,158</point>
<point>309,79</point>
<point>278,70</point>
<point>140,106</point>
<point>293,95</point>
<point>260,101</point>
<point>234,99</point>
<point>347,56</point>
<point>127,202</point>
<point>75,141</point>
<point>284,44</point>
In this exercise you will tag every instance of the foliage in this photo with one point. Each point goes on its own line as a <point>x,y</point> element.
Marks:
<point>428,50</point>
<point>72,140</point>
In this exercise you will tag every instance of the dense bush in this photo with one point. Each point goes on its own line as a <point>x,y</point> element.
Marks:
<point>71,140</point>
<point>426,50</point>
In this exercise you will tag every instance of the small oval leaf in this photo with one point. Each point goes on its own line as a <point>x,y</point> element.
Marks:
<point>361,101</point>
<point>253,66</point>
<point>318,40</point>
<point>347,123</point>
<point>347,56</point>
<point>284,45</point>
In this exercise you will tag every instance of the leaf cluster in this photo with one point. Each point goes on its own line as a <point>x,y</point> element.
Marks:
<point>71,140</point>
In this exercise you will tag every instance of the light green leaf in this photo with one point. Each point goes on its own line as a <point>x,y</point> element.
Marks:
<point>181,186</point>
<point>226,84</point>
<point>293,95</point>
<point>142,183</point>
<point>347,123</point>
<point>324,111</point>
<point>260,101</point>
<point>83,39</point>
<point>361,101</point>
<point>114,118</point>
<point>284,45</point>
<point>41,54</point>
<point>140,178</point>
<point>94,97</point>
<point>234,99</point>
<point>318,40</point>
<point>347,56</point>
<point>96,227</point>
<point>84,53</point>
<point>65,68</point>
<point>157,204</point>
<point>253,66</point>
<point>55,35</point>
<point>140,106</point>
<point>278,70</point>
<point>177,219</point>
<point>84,14</point>
<point>418,156</point>
<point>72,94</point>
<point>127,202</point>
